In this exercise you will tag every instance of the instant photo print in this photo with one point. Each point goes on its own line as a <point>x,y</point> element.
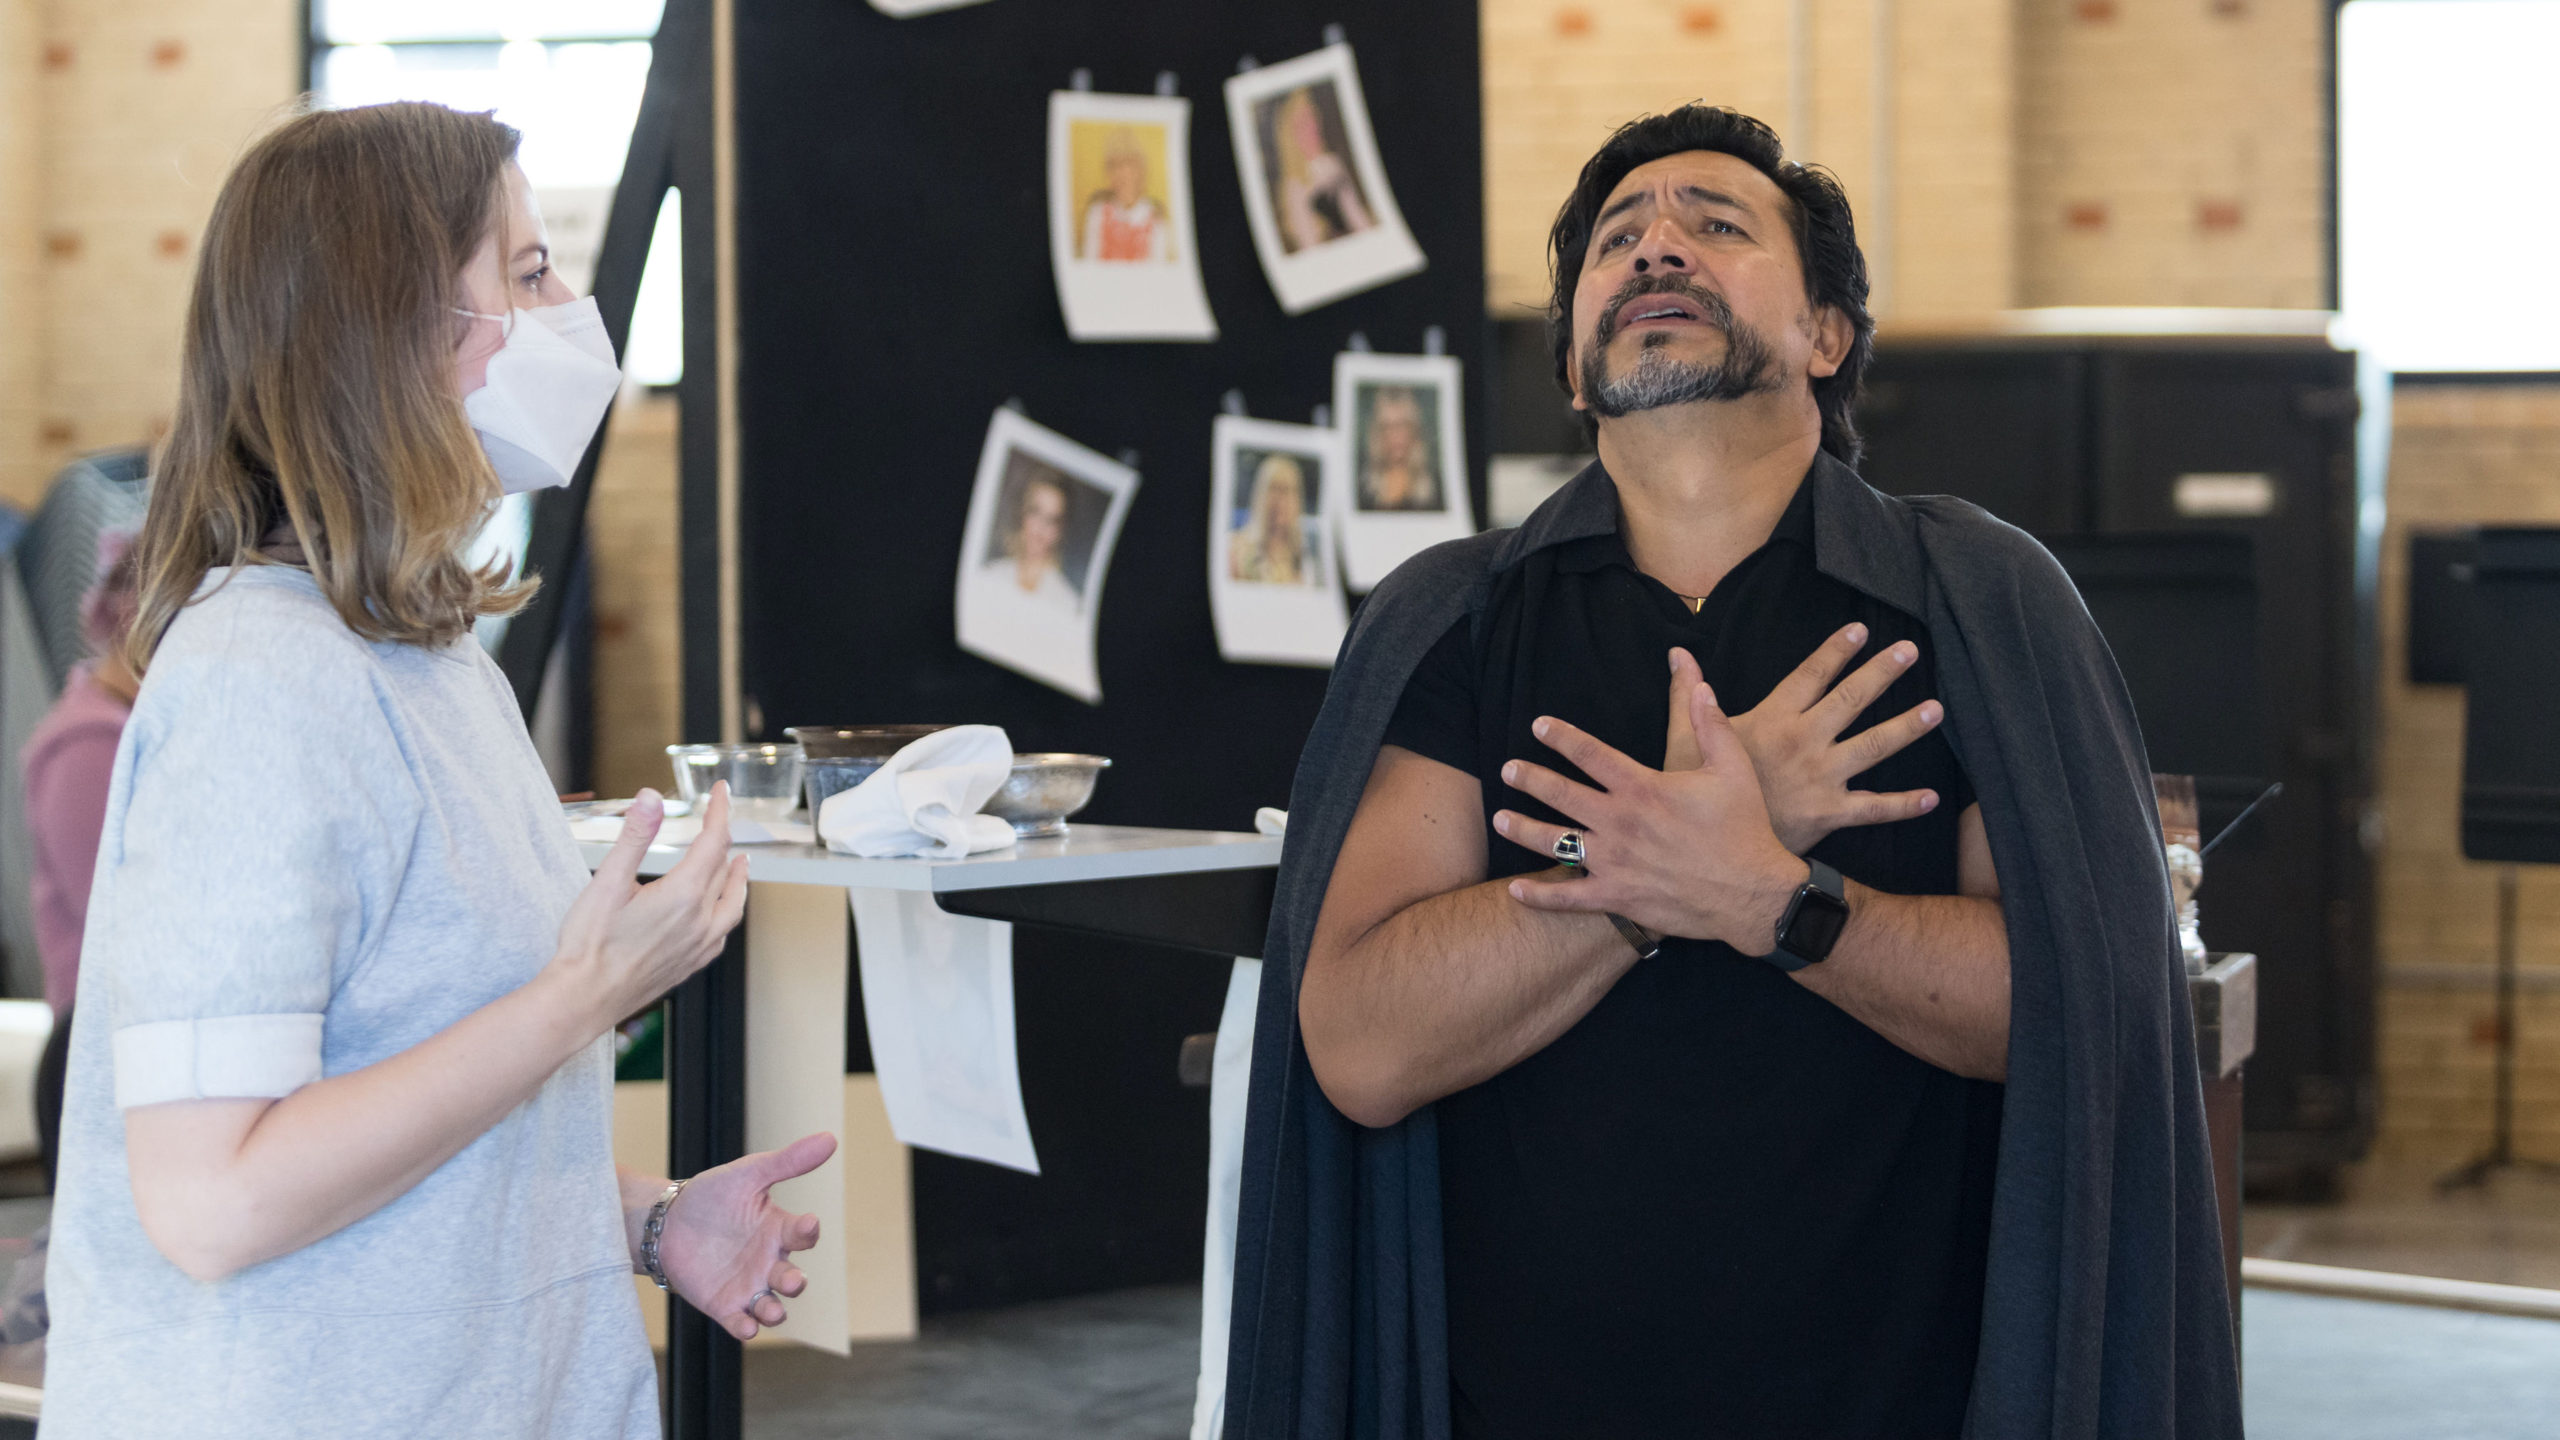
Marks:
<point>1120,231</point>
<point>1403,487</point>
<point>1043,518</point>
<point>1274,592</point>
<point>1324,220</point>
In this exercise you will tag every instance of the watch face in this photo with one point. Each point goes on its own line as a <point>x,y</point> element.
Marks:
<point>1816,926</point>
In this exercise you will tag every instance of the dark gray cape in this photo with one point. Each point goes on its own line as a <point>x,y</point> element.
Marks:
<point>2104,1312</point>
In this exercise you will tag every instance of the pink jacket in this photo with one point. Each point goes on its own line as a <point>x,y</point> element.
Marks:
<point>67,763</point>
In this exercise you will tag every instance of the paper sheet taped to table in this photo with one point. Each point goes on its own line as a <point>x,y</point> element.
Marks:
<point>937,994</point>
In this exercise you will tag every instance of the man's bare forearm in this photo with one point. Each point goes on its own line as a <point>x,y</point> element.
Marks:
<point>1929,973</point>
<point>1449,992</point>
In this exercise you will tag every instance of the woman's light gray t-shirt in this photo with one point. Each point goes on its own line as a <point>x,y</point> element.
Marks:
<point>320,851</point>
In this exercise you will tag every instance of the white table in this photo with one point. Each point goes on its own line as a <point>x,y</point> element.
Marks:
<point>750,1061</point>
<point>1085,852</point>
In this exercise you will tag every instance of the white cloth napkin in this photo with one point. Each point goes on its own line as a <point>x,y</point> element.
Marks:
<point>925,800</point>
<point>1274,823</point>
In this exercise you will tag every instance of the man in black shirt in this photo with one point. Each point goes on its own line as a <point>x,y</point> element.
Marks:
<point>1677,910</point>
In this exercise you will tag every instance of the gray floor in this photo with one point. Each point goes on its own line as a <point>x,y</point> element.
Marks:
<point>2326,1369</point>
<point>1119,1367</point>
<point>1102,1367</point>
<point>1122,1366</point>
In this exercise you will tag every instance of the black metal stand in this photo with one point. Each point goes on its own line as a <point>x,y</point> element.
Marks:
<point>706,1042</point>
<point>2501,1154</point>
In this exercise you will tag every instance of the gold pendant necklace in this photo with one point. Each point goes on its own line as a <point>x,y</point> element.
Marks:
<point>1695,603</point>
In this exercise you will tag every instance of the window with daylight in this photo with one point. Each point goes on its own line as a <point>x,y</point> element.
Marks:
<point>568,74</point>
<point>2448,142</point>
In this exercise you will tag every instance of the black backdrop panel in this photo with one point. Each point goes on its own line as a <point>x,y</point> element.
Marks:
<point>895,288</point>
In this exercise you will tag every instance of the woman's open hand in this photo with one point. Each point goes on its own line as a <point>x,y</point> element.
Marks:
<point>727,1247</point>
<point>624,944</point>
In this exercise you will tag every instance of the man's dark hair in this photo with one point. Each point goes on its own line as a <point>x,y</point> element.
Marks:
<point>1835,273</point>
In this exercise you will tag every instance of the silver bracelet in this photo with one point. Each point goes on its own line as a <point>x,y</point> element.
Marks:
<point>656,1229</point>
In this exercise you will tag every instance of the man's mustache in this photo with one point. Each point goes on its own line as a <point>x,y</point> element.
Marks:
<point>1711,306</point>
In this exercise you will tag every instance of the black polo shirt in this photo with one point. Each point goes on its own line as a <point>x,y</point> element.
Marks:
<point>1718,1205</point>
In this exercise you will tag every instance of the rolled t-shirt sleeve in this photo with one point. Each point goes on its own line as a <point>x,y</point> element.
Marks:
<point>257,834</point>
<point>1437,717</point>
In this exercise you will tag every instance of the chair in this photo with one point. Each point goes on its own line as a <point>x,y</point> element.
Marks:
<point>42,580</point>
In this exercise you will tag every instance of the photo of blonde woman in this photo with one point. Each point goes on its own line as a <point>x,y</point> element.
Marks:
<point>1324,218</point>
<point>1124,220</point>
<point>1399,469</point>
<point>1313,190</point>
<point>1275,539</point>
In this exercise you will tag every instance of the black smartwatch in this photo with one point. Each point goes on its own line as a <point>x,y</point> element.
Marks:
<point>1814,920</point>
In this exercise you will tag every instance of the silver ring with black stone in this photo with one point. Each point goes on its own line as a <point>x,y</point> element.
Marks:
<point>1568,849</point>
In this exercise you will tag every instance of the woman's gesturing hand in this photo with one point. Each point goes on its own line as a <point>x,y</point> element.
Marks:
<point>624,944</point>
<point>1794,740</point>
<point>727,1247</point>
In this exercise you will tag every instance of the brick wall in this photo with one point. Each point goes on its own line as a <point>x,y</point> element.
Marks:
<point>631,522</point>
<point>1560,74</point>
<point>139,108</point>
<point>20,473</point>
<point>2048,152</point>
<point>2172,154</point>
<point>2460,455</point>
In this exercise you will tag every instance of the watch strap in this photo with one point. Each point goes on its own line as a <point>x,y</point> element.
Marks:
<point>1813,920</point>
<point>1646,943</point>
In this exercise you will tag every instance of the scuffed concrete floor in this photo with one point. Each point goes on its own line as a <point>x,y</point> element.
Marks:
<point>1121,1366</point>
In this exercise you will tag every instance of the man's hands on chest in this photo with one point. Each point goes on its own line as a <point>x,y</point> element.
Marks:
<point>1424,977</point>
<point>1793,737</point>
<point>1693,851</point>
<point>1686,850</point>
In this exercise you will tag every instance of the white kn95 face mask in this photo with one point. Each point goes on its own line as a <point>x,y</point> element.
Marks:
<point>549,386</point>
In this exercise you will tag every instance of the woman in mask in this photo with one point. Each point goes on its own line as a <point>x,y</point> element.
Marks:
<point>336,1154</point>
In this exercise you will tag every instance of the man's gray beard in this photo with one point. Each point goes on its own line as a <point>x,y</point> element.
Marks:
<point>1656,379</point>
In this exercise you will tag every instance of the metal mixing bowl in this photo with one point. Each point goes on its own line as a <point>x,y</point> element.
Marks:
<point>1044,789</point>
<point>825,775</point>
<point>827,742</point>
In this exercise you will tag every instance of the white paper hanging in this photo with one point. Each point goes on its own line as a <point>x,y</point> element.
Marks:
<point>937,993</point>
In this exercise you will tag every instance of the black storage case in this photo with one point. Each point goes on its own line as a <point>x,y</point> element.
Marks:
<point>2081,440</point>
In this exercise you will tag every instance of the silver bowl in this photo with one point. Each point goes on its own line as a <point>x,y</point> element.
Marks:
<point>1045,789</point>
<point>825,775</point>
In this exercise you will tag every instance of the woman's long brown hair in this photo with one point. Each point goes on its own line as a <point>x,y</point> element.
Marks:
<point>316,388</point>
